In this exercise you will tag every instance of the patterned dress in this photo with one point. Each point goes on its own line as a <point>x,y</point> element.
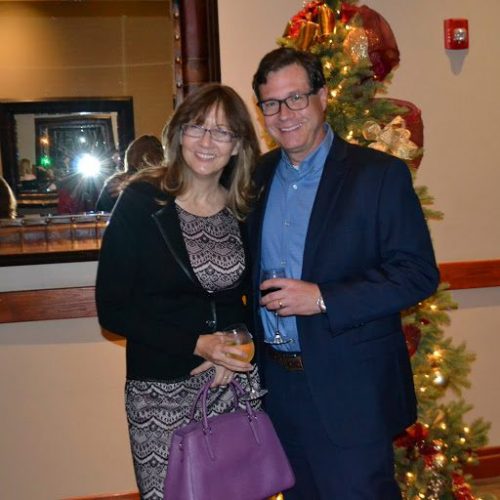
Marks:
<point>155,409</point>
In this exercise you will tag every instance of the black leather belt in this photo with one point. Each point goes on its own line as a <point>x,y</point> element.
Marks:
<point>292,361</point>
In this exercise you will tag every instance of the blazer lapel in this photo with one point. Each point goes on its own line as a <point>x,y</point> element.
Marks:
<point>328,190</point>
<point>167,221</point>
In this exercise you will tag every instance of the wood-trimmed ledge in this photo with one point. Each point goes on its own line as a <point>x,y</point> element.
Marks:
<point>40,305</point>
<point>65,303</point>
<point>489,463</point>
<point>471,274</point>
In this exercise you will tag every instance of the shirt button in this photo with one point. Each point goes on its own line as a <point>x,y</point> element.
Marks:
<point>287,223</point>
<point>295,187</point>
<point>283,263</point>
<point>210,323</point>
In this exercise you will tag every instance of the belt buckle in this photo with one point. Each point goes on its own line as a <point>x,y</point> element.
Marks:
<point>294,363</point>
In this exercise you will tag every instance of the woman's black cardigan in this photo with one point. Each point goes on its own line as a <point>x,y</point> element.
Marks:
<point>147,291</point>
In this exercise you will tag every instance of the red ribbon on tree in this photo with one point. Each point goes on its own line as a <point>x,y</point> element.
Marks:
<point>316,19</point>
<point>382,48</point>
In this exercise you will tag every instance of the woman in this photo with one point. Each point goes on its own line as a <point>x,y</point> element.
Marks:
<point>173,272</point>
<point>141,153</point>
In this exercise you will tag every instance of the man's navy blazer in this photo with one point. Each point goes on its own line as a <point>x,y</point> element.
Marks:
<point>369,250</point>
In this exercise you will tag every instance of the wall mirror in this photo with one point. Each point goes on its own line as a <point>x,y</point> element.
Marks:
<point>56,154</point>
<point>61,60</point>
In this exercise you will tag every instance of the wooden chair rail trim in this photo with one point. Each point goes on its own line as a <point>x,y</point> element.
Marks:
<point>64,303</point>
<point>471,274</point>
<point>40,305</point>
<point>489,463</point>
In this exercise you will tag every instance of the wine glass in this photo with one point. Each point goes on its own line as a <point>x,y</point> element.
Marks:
<point>239,335</point>
<point>267,274</point>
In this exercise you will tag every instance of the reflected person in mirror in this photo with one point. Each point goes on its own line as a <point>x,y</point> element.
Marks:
<point>27,177</point>
<point>345,223</point>
<point>145,151</point>
<point>173,272</point>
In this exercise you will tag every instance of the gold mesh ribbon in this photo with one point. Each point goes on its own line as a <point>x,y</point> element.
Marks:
<point>394,138</point>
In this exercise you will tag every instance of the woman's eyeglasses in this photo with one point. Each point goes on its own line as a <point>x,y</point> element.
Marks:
<point>217,134</point>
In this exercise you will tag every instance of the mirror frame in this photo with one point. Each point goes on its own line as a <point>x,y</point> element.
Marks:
<point>123,106</point>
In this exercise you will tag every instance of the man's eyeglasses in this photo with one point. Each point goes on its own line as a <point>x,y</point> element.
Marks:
<point>295,102</point>
<point>217,134</point>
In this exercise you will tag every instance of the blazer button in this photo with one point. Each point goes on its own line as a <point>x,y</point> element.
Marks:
<point>210,323</point>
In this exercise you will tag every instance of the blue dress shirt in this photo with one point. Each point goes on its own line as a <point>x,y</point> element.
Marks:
<point>289,205</point>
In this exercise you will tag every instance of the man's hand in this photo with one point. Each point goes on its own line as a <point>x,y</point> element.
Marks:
<point>294,297</point>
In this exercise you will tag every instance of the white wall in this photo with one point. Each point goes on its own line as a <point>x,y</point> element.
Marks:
<point>63,430</point>
<point>458,96</point>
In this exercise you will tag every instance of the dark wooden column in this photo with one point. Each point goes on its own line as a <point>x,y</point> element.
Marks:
<point>196,45</point>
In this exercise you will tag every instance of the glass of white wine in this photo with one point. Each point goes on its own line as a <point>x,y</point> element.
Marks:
<point>238,335</point>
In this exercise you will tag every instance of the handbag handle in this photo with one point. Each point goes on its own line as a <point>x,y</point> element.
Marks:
<point>202,397</point>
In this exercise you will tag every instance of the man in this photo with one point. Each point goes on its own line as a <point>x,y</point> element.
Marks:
<point>346,225</point>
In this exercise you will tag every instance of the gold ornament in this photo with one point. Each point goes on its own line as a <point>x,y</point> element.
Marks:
<point>439,379</point>
<point>326,20</point>
<point>438,444</point>
<point>356,44</point>
<point>435,358</point>
<point>439,460</point>
<point>308,32</point>
<point>394,138</point>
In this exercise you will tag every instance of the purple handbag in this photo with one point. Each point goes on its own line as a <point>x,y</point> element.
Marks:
<point>233,455</point>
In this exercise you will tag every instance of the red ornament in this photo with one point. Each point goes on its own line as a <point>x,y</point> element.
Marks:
<point>461,489</point>
<point>412,337</point>
<point>413,436</point>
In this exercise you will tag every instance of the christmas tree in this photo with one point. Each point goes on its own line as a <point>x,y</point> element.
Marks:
<point>359,52</point>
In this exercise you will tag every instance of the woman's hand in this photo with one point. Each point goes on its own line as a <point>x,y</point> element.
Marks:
<point>222,375</point>
<point>213,348</point>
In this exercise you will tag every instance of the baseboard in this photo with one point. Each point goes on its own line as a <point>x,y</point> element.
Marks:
<point>132,495</point>
<point>489,463</point>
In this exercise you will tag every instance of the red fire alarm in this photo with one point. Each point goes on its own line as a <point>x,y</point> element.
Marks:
<point>456,34</point>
